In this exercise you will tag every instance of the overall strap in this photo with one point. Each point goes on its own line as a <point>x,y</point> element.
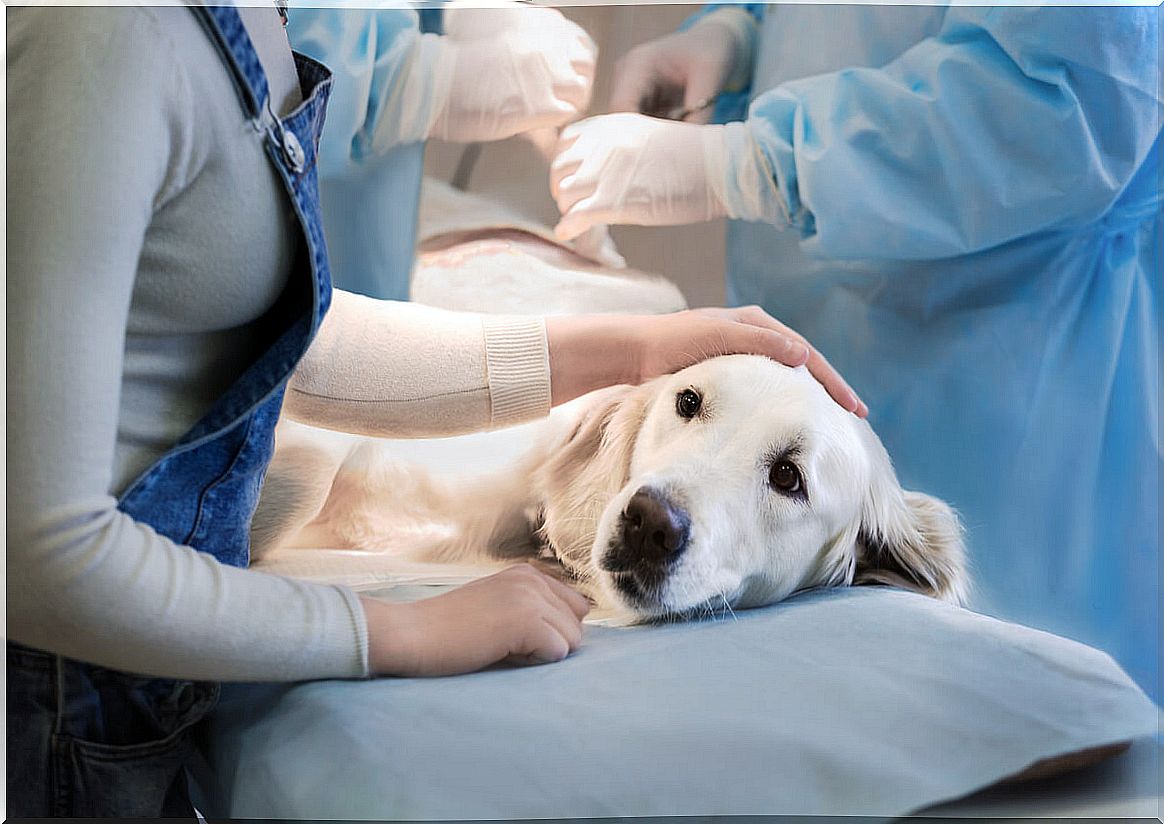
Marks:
<point>228,34</point>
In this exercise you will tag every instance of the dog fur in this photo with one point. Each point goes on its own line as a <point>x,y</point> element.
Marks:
<point>740,538</point>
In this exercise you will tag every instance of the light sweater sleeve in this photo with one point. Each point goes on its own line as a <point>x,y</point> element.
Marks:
<point>401,369</point>
<point>97,124</point>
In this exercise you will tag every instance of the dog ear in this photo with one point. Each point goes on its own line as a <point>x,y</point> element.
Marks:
<point>581,470</point>
<point>909,539</point>
<point>603,437</point>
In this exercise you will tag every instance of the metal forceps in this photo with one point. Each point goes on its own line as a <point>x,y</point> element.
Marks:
<point>684,112</point>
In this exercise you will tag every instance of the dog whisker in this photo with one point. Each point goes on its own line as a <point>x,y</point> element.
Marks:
<point>727,605</point>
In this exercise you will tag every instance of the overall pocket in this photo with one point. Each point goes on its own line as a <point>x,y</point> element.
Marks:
<point>32,717</point>
<point>132,762</point>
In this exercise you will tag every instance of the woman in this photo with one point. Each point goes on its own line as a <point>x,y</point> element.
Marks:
<point>166,275</point>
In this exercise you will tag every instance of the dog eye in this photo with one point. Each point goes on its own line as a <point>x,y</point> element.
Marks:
<point>784,477</point>
<point>687,403</point>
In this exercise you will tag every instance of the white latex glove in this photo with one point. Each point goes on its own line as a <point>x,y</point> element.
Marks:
<point>629,168</point>
<point>686,70</point>
<point>595,243</point>
<point>466,21</point>
<point>512,70</point>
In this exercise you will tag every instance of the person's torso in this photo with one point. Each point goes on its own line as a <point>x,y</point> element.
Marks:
<point>211,267</point>
<point>1020,382</point>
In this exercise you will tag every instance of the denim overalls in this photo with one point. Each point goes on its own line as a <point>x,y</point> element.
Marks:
<point>89,741</point>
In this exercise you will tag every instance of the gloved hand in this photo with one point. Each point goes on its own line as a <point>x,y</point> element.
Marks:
<point>629,168</point>
<point>596,243</point>
<point>686,70</point>
<point>511,70</point>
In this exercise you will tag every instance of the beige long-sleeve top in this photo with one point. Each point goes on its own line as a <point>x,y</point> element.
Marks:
<point>147,234</point>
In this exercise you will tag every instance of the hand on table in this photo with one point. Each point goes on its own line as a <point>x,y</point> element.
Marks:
<point>518,616</point>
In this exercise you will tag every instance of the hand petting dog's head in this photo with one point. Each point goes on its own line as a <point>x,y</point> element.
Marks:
<point>736,483</point>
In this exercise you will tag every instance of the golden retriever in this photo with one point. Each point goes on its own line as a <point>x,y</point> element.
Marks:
<point>733,483</point>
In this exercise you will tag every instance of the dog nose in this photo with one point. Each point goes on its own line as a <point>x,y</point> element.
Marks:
<point>654,531</point>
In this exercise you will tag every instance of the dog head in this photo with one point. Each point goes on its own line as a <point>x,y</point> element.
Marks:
<point>735,483</point>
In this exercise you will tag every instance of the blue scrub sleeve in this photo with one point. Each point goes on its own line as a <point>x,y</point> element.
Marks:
<point>1008,122</point>
<point>371,53</point>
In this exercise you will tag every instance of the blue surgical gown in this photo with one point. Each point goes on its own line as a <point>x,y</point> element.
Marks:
<point>973,239</point>
<point>369,187</point>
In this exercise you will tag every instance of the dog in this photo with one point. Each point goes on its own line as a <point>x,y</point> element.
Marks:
<point>734,483</point>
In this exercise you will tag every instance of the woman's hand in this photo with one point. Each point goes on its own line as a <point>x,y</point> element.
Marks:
<point>518,615</point>
<point>588,352</point>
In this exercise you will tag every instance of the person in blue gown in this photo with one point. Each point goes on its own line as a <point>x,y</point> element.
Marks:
<point>960,207</point>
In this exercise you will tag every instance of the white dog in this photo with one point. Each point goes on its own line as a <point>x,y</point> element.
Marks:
<point>733,483</point>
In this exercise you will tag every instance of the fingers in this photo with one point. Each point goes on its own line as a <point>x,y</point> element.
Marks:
<point>518,614</point>
<point>581,216</point>
<point>552,115</point>
<point>572,96</point>
<point>744,331</point>
<point>597,245</point>
<point>838,389</point>
<point>631,82</point>
<point>571,75</point>
<point>572,598</point>
<point>573,188</point>
<point>554,630</point>
<point>544,642</point>
<point>563,637</point>
<point>745,339</point>
<point>563,183</point>
<point>578,221</point>
<point>565,162</point>
<point>584,58</point>
<point>817,365</point>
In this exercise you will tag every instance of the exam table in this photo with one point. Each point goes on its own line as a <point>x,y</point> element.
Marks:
<point>861,701</point>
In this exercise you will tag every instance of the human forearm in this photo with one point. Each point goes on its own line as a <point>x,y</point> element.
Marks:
<point>88,582</point>
<point>386,368</point>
